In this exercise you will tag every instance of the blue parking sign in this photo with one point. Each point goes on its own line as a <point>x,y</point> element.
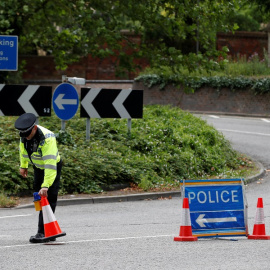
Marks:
<point>8,53</point>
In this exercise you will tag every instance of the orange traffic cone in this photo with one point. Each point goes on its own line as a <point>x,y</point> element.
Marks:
<point>259,226</point>
<point>51,226</point>
<point>185,228</point>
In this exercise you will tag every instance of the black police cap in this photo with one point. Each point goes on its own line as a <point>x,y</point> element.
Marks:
<point>25,124</point>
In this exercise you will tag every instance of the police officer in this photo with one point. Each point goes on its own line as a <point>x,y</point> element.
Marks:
<point>38,146</point>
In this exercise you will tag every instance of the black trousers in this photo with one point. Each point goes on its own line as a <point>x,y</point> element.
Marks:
<point>52,191</point>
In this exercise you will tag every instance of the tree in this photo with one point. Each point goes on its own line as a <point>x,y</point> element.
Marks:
<point>69,30</point>
<point>263,4</point>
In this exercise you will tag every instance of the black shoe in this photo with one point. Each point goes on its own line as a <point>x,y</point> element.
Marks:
<point>38,238</point>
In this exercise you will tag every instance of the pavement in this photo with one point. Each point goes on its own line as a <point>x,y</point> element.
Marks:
<point>120,197</point>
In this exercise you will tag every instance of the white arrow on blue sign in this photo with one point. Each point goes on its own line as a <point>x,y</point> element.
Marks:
<point>202,220</point>
<point>65,101</point>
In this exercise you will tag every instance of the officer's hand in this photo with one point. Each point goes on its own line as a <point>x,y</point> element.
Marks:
<point>23,172</point>
<point>43,192</point>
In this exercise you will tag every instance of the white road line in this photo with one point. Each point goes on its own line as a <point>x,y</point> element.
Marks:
<point>91,240</point>
<point>265,120</point>
<point>16,216</point>
<point>244,132</point>
<point>214,116</point>
<point>120,238</point>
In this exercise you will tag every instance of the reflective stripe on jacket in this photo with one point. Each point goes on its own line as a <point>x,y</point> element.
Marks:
<point>45,158</point>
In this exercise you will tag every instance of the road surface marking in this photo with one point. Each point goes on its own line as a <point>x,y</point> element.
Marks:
<point>244,132</point>
<point>17,216</point>
<point>91,240</point>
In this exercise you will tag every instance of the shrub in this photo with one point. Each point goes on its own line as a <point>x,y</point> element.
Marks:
<point>242,74</point>
<point>165,146</point>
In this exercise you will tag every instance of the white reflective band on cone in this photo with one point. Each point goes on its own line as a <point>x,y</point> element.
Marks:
<point>186,217</point>
<point>48,215</point>
<point>259,216</point>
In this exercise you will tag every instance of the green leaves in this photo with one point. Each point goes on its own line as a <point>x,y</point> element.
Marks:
<point>165,146</point>
<point>193,83</point>
<point>69,30</point>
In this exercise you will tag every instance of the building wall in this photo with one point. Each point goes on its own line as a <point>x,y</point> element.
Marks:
<point>43,67</point>
<point>90,68</point>
<point>243,43</point>
<point>208,100</point>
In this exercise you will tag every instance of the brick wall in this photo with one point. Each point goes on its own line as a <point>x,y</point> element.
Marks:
<point>208,100</point>
<point>90,68</point>
<point>43,67</point>
<point>243,43</point>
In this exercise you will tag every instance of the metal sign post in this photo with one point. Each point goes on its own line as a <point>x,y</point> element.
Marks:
<point>88,126</point>
<point>111,103</point>
<point>129,125</point>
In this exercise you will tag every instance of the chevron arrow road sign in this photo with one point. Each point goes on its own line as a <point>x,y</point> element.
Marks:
<point>111,103</point>
<point>18,99</point>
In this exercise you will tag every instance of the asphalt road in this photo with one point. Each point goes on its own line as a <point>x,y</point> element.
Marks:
<point>139,235</point>
<point>247,135</point>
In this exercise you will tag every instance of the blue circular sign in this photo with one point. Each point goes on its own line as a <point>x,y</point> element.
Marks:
<point>65,101</point>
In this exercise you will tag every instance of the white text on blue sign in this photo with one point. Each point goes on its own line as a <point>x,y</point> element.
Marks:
<point>207,197</point>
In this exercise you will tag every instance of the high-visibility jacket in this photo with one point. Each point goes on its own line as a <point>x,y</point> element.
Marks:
<point>44,157</point>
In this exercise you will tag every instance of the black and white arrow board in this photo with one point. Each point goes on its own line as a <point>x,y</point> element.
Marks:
<point>111,103</point>
<point>18,99</point>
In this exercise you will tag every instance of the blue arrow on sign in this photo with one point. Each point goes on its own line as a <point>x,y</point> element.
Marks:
<point>65,101</point>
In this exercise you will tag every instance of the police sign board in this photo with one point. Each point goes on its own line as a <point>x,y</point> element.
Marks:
<point>65,101</point>
<point>9,53</point>
<point>217,207</point>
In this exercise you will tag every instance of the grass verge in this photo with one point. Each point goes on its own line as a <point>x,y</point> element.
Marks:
<point>167,145</point>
